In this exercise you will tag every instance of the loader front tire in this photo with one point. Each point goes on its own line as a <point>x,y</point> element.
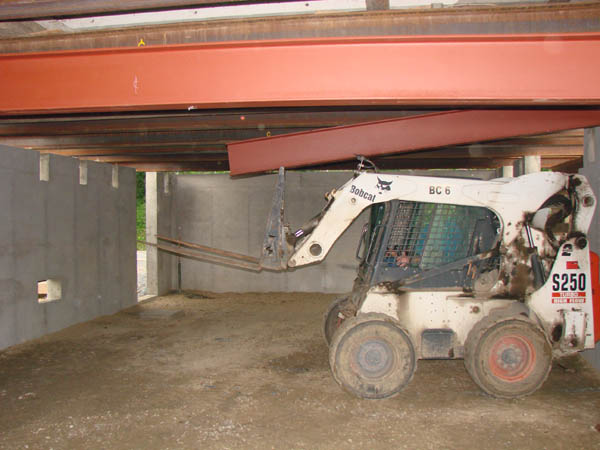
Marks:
<point>372,357</point>
<point>509,358</point>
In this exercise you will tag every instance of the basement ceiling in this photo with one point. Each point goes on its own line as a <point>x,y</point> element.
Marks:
<point>196,140</point>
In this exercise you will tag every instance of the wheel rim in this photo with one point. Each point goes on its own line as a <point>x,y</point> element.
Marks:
<point>512,358</point>
<point>374,358</point>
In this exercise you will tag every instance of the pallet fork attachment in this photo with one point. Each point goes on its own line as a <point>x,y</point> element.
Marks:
<point>274,253</point>
<point>199,252</point>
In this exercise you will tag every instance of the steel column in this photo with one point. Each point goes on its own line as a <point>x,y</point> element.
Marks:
<point>557,69</point>
<point>398,136</point>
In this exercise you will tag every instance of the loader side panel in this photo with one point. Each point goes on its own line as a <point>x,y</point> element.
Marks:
<point>566,303</point>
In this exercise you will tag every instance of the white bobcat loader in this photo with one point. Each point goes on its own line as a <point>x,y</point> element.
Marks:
<point>496,272</point>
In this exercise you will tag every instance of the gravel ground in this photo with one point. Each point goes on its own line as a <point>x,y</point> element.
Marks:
<point>250,371</point>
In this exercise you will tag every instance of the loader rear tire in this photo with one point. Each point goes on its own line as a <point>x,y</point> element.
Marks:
<point>372,357</point>
<point>335,315</point>
<point>509,358</point>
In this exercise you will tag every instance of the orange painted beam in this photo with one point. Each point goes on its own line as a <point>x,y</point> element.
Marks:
<point>401,135</point>
<point>553,69</point>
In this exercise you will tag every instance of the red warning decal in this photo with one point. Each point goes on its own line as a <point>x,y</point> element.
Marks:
<point>572,265</point>
<point>568,297</point>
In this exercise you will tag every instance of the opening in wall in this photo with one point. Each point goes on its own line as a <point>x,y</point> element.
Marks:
<point>44,167</point>
<point>167,184</point>
<point>49,291</point>
<point>115,177</point>
<point>83,173</point>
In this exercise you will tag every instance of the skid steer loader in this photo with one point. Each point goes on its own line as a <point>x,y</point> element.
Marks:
<point>496,272</point>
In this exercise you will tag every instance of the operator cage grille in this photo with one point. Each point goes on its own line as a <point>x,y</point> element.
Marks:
<point>428,235</point>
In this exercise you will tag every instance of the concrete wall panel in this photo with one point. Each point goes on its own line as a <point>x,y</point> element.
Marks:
<point>127,243</point>
<point>8,308</point>
<point>30,244</point>
<point>81,235</point>
<point>60,251</point>
<point>87,282</point>
<point>109,244</point>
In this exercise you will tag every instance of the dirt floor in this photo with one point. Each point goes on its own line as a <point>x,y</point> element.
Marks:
<point>251,371</point>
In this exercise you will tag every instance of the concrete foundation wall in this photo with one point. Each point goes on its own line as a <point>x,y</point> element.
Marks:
<point>231,214</point>
<point>591,169</point>
<point>81,235</point>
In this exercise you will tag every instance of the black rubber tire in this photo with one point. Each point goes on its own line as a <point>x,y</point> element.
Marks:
<point>331,319</point>
<point>508,358</point>
<point>372,357</point>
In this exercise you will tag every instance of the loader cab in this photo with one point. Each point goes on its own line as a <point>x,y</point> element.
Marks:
<point>418,245</point>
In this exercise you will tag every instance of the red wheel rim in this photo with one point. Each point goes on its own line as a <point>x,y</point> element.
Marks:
<point>512,358</point>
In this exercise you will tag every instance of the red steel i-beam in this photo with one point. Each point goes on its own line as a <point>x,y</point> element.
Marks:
<point>398,136</point>
<point>552,69</point>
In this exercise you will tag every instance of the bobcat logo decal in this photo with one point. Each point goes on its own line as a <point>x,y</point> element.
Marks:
<point>383,185</point>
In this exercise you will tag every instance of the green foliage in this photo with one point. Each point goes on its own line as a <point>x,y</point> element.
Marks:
<point>140,185</point>
<point>141,223</point>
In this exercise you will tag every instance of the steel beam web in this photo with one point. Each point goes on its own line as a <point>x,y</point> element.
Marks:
<point>399,136</point>
<point>552,69</point>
